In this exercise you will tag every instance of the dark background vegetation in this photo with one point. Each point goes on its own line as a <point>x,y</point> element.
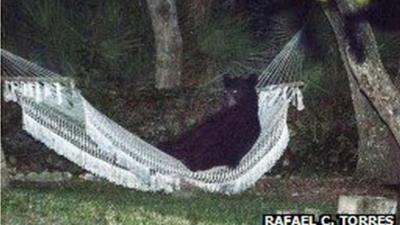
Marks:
<point>107,46</point>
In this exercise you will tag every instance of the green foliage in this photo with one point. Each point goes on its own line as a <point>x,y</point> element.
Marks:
<point>362,3</point>
<point>54,33</point>
<point>324,134</point>
<point>226,42</point>
<point>90,40</point>
<point>314,79</point>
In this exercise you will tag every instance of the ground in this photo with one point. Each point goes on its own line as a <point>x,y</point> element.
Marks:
<point>93,203</point>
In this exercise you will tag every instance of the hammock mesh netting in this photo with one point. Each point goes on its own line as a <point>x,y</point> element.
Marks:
<point>56,114</point>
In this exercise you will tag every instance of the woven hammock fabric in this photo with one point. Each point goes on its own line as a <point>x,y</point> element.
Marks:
<point>56,114</point>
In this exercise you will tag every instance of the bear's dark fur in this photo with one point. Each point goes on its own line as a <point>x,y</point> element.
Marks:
<point>225,137</point>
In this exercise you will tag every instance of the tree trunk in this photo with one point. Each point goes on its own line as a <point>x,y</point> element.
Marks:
<point>168,43</point>
<point>370,75</point>
<point>200,11</point>
<point>379,154</point>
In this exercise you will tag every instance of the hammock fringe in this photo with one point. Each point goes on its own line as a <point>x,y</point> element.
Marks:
<point>56,114</point>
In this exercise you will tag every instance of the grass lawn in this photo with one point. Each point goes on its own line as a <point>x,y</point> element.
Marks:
<point>98,203</point>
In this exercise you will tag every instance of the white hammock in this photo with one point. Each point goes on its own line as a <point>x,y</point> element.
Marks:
<point>56,114</point>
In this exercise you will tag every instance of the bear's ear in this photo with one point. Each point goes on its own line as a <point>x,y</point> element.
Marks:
<point>252,79</point>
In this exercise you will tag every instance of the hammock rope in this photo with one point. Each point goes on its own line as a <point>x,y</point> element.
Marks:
<point>56,114</point>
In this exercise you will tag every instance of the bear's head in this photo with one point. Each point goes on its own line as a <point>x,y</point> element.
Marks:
<point>240,91</point>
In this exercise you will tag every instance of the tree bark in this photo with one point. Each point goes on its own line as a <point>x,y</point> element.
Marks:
<point>168,43</point>
<point>200,11</point>
<point>378,152</point>
<point>370,74</point>
<point>378,123</point>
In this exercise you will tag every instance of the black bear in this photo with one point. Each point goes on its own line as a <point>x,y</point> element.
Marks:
<point>225,137</point>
